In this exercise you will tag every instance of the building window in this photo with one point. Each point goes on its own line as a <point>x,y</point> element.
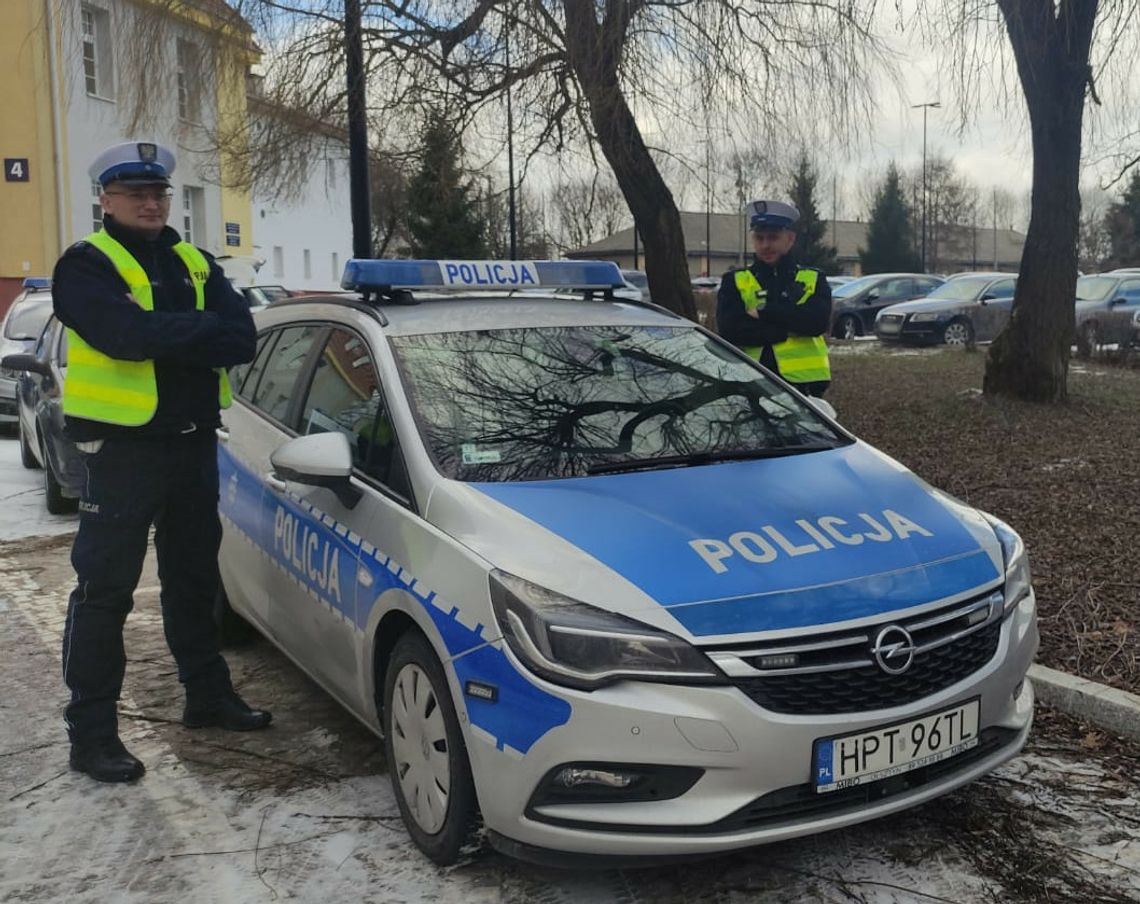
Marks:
<point>335,267</point>
<point>308,264</point>
<point>193,203</point>
<point>95,25</point>
<point>189,82</point>
<point>278,260</point>
<point>96,207</point>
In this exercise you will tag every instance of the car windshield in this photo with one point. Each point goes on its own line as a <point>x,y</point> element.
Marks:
<point>855,286</point>
<point>1094,288</point>
<point>532,404</point>
<point>27,318</point>
<point>965,289</point>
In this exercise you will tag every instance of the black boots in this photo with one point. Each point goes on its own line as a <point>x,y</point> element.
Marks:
<point>229,712</point>
<point>105,759</point>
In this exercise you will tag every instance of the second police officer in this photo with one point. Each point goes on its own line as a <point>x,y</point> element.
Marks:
<point>775,310</point>
<point>152,324</point>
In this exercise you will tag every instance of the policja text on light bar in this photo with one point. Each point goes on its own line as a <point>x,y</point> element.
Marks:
<point>365,274</point>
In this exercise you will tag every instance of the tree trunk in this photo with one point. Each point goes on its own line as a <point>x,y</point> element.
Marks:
<point>594,52</point>
<point>1030,359</point>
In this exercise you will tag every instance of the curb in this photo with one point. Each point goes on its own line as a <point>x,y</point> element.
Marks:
<point>1113,710</point>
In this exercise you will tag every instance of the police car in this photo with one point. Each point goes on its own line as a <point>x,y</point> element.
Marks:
<point>597,577</point>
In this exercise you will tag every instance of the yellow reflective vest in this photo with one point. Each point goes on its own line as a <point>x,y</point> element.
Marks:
<point>101,388</point>
<point>801,359</point>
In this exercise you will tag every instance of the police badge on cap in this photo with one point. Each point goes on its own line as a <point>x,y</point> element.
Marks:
<point>771,215</point>
<point>137,162</point>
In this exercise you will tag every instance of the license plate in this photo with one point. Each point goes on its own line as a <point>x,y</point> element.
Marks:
<point>889,326</point>
<point>868,756</point>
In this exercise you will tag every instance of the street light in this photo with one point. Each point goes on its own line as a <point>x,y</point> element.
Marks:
<point>925,107</point>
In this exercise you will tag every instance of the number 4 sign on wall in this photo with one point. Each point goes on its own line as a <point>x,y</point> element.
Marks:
<point>15,169</point>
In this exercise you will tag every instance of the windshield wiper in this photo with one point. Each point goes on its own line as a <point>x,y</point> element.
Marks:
<point>703,458</point>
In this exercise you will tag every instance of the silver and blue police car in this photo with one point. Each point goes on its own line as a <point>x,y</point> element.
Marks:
<point>597,577</point>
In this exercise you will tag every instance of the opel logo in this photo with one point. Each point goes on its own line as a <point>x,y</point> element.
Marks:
<point>894,649</point>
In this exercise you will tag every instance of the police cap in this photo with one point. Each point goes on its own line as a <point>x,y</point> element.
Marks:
<point>772,215</point>
<point>137,162</point>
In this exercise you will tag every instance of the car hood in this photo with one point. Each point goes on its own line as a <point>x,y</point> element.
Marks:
<point>935,305</point>
<point>732,549</point>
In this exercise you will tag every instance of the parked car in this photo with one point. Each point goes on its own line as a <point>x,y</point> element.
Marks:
<point>1135,339</point>
<point>39,393</point>
<point>706,283</point>
<point>855,304</point>
<point>19,331</point>
<point>968,309</point>
<point>518,536</point>
<point>836,281</point>
<point>260,296</point>
<point>1105,307</point>
<point>638,280</point>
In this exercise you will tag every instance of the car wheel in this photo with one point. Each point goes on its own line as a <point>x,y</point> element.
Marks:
<point>27,456</point>
<point>958,332</point>
<point>426,755</point>
<point>233,630</point>
<point>57,503</point>
<point>1088,339</point>
<point>848,327</point>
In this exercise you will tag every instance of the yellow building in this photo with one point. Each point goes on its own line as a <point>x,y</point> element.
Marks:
<point>84,74</point>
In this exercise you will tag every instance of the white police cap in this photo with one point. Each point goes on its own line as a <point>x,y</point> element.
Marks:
<point>141,162</point>
<point>772,215</point>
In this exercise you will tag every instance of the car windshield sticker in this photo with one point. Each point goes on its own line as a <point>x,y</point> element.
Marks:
<point>472,455</point>
<point>766,544</point>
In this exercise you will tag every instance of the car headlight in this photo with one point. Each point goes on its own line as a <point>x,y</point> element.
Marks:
<point>924,317</point>
<point>577,645</point>
<point>1018,581</point>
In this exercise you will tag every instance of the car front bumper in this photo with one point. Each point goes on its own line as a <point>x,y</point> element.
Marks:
<point>8,410</point>
<point>755,787</point>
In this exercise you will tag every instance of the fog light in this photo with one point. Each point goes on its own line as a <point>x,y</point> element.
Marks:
<point>573,777</point>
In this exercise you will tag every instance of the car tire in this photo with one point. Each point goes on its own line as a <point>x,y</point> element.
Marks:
<point>57,503</point>
<point>958,332</point>
<point>427,758</point>
<point>848,327</point>
<point>1088,339</point>
<point>233,630</point>
<point>27,456</point>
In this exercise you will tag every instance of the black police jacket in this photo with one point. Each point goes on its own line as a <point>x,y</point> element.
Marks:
<point>780,315</point>
<point>185,344</point>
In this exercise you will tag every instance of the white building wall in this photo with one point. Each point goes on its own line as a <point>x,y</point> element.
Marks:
<point>317,220</point>
<point>91,123</point>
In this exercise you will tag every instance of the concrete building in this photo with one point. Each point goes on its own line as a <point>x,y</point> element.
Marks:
<point>84,74</point>
<point>719,241</point>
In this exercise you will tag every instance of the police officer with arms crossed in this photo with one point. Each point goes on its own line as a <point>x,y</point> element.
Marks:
<point>152,323</point>
<point>776,311</point>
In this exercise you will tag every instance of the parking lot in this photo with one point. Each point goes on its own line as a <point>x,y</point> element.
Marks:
<point>304,812</point>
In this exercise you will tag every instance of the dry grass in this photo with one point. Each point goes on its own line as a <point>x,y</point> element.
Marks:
<point>1066,477</point>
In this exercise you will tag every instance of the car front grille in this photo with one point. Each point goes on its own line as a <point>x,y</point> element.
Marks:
<point>838,672</point>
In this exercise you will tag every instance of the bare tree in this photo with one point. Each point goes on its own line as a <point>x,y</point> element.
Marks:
<point>1059,66</point>
<point>587,209</point>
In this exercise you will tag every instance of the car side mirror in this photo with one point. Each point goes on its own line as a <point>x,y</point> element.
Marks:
<point>985,298</point>
<point>320,460</point>
<point>1116,301</point>
<point>26,362</point>
<point>873,295</point>
<point>822,406</point>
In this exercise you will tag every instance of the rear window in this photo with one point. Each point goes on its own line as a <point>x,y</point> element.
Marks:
<point>532,404</point>
<point>27,318</point>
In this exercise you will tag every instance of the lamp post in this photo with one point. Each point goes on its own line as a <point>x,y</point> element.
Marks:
<point>925,107</point>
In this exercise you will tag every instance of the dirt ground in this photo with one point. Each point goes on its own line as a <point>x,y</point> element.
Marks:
<point>1066,477</point>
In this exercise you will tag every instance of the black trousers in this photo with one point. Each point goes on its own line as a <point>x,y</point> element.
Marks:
<point>816,388</point>
<point>132,483</point>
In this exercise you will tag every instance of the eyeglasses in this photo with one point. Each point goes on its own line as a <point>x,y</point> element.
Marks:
<point>142,195</point>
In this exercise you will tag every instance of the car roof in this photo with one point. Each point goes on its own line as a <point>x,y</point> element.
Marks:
<point>439,313</point>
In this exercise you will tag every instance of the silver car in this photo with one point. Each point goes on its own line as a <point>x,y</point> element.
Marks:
<point>19,331</point>
<point>595,575</point>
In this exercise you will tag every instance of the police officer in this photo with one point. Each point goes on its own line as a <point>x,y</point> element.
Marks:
<point>775,310</point>
<point>152,323</point>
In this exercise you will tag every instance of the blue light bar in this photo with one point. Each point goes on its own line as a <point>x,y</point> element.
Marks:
<point>366,274</point>
<point>37,282</point>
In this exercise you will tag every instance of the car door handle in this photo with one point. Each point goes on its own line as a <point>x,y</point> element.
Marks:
<point>223,434</point>
<point>275,483</point>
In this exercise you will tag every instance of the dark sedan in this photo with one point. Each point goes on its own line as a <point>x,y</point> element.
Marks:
<point>855,304</point>
<point>959,312</point>
<point>1106,304</point>
<point>39,391</point>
